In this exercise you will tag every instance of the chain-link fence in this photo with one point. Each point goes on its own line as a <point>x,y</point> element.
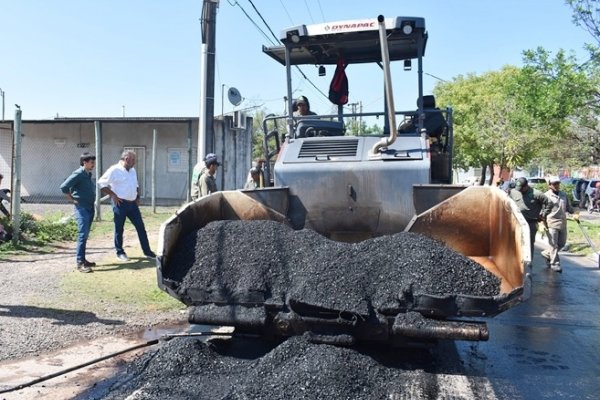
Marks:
<point>50,151</point>
<point>165,149</point>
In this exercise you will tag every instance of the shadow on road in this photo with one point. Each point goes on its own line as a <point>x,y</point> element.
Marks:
<point>61,317</point>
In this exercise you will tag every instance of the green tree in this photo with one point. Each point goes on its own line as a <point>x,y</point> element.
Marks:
<point>354,127</point>
<point>544,114</point>
<point>586,13</point>
<point>488,128</point>
<point>561,96</point>
<point>258,133</point>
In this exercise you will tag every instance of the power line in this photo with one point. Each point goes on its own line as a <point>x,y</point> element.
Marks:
<point>297,67</point>
<point>263,20</point>
<point>433,76</point>
<point>286,11</point>
<point>270,30</point>
<point>311,83</point>
<point>309,13</point>
<point>253,23</point>
<point>321,9</point>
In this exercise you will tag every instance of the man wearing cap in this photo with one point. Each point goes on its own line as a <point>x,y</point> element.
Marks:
<point>533,204</point>
<point>303,107</point>
<point>556,223</point>
<point>207,182</point>
<point>80,191</point>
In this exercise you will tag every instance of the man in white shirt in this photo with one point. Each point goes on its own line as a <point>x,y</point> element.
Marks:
<point>121,184</point>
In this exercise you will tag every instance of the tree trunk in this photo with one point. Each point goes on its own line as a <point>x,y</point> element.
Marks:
<point>482,177</point>
<point>491,180</point>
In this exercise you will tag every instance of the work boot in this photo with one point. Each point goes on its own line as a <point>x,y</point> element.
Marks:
<point>556,268</point>
<point>81,267</point>
<point>546,257</point>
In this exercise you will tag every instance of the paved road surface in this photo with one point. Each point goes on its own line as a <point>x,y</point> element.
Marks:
<point>549,346</point>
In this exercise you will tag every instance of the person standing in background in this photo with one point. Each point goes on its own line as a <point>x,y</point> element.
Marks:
<point>533,204</point>
<point>121,184</point>
<point>80,190</point>
<point>207,181</point>
<point>556,223</point>
<point>4,197</point>
<point>197,172</point>
<point>258,166</point>
<point>254,181</point>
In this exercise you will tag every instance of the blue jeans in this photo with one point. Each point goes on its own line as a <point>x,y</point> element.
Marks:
<point>129,209</point>
<point>84,217</point>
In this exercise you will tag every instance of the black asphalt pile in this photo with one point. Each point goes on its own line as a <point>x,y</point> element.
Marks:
<point>180,369</point>
<point>246,260</point>
<point>186,368</point>
<point>298,369</point>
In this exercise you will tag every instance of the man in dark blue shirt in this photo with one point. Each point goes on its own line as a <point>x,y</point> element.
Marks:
<point>81,191</point>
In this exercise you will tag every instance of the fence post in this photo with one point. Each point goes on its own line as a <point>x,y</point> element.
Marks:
<point>154,135</point>
<point>98,139</point>
<point>191,162</point>
<point>16,176</point>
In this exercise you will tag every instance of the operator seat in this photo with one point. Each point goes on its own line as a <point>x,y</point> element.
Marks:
<point>317,127</point>
<point>434,121</point>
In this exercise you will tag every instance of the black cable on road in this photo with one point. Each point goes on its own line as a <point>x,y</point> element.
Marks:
<point>65,371</point>
<point>106,357</point>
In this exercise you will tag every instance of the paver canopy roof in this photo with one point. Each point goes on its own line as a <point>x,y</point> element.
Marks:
<point>357,41</point>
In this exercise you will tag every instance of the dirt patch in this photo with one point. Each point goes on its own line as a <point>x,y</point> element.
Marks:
<point>38,316</point>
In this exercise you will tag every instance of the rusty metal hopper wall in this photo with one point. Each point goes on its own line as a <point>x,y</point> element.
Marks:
<point>484,224</point>
<point>266,204</point>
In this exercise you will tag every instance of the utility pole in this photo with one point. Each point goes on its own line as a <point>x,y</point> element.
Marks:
<point>360,118</point>
<point>207,78</point>
<point>16,177</point>
<point>353,105</point>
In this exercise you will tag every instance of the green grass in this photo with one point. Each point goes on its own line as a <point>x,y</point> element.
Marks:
<point>39,234</point>
<point>132,283</point>
<point>576,239</point>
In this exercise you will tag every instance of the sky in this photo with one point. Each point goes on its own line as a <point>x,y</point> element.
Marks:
<point>142,58</point>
